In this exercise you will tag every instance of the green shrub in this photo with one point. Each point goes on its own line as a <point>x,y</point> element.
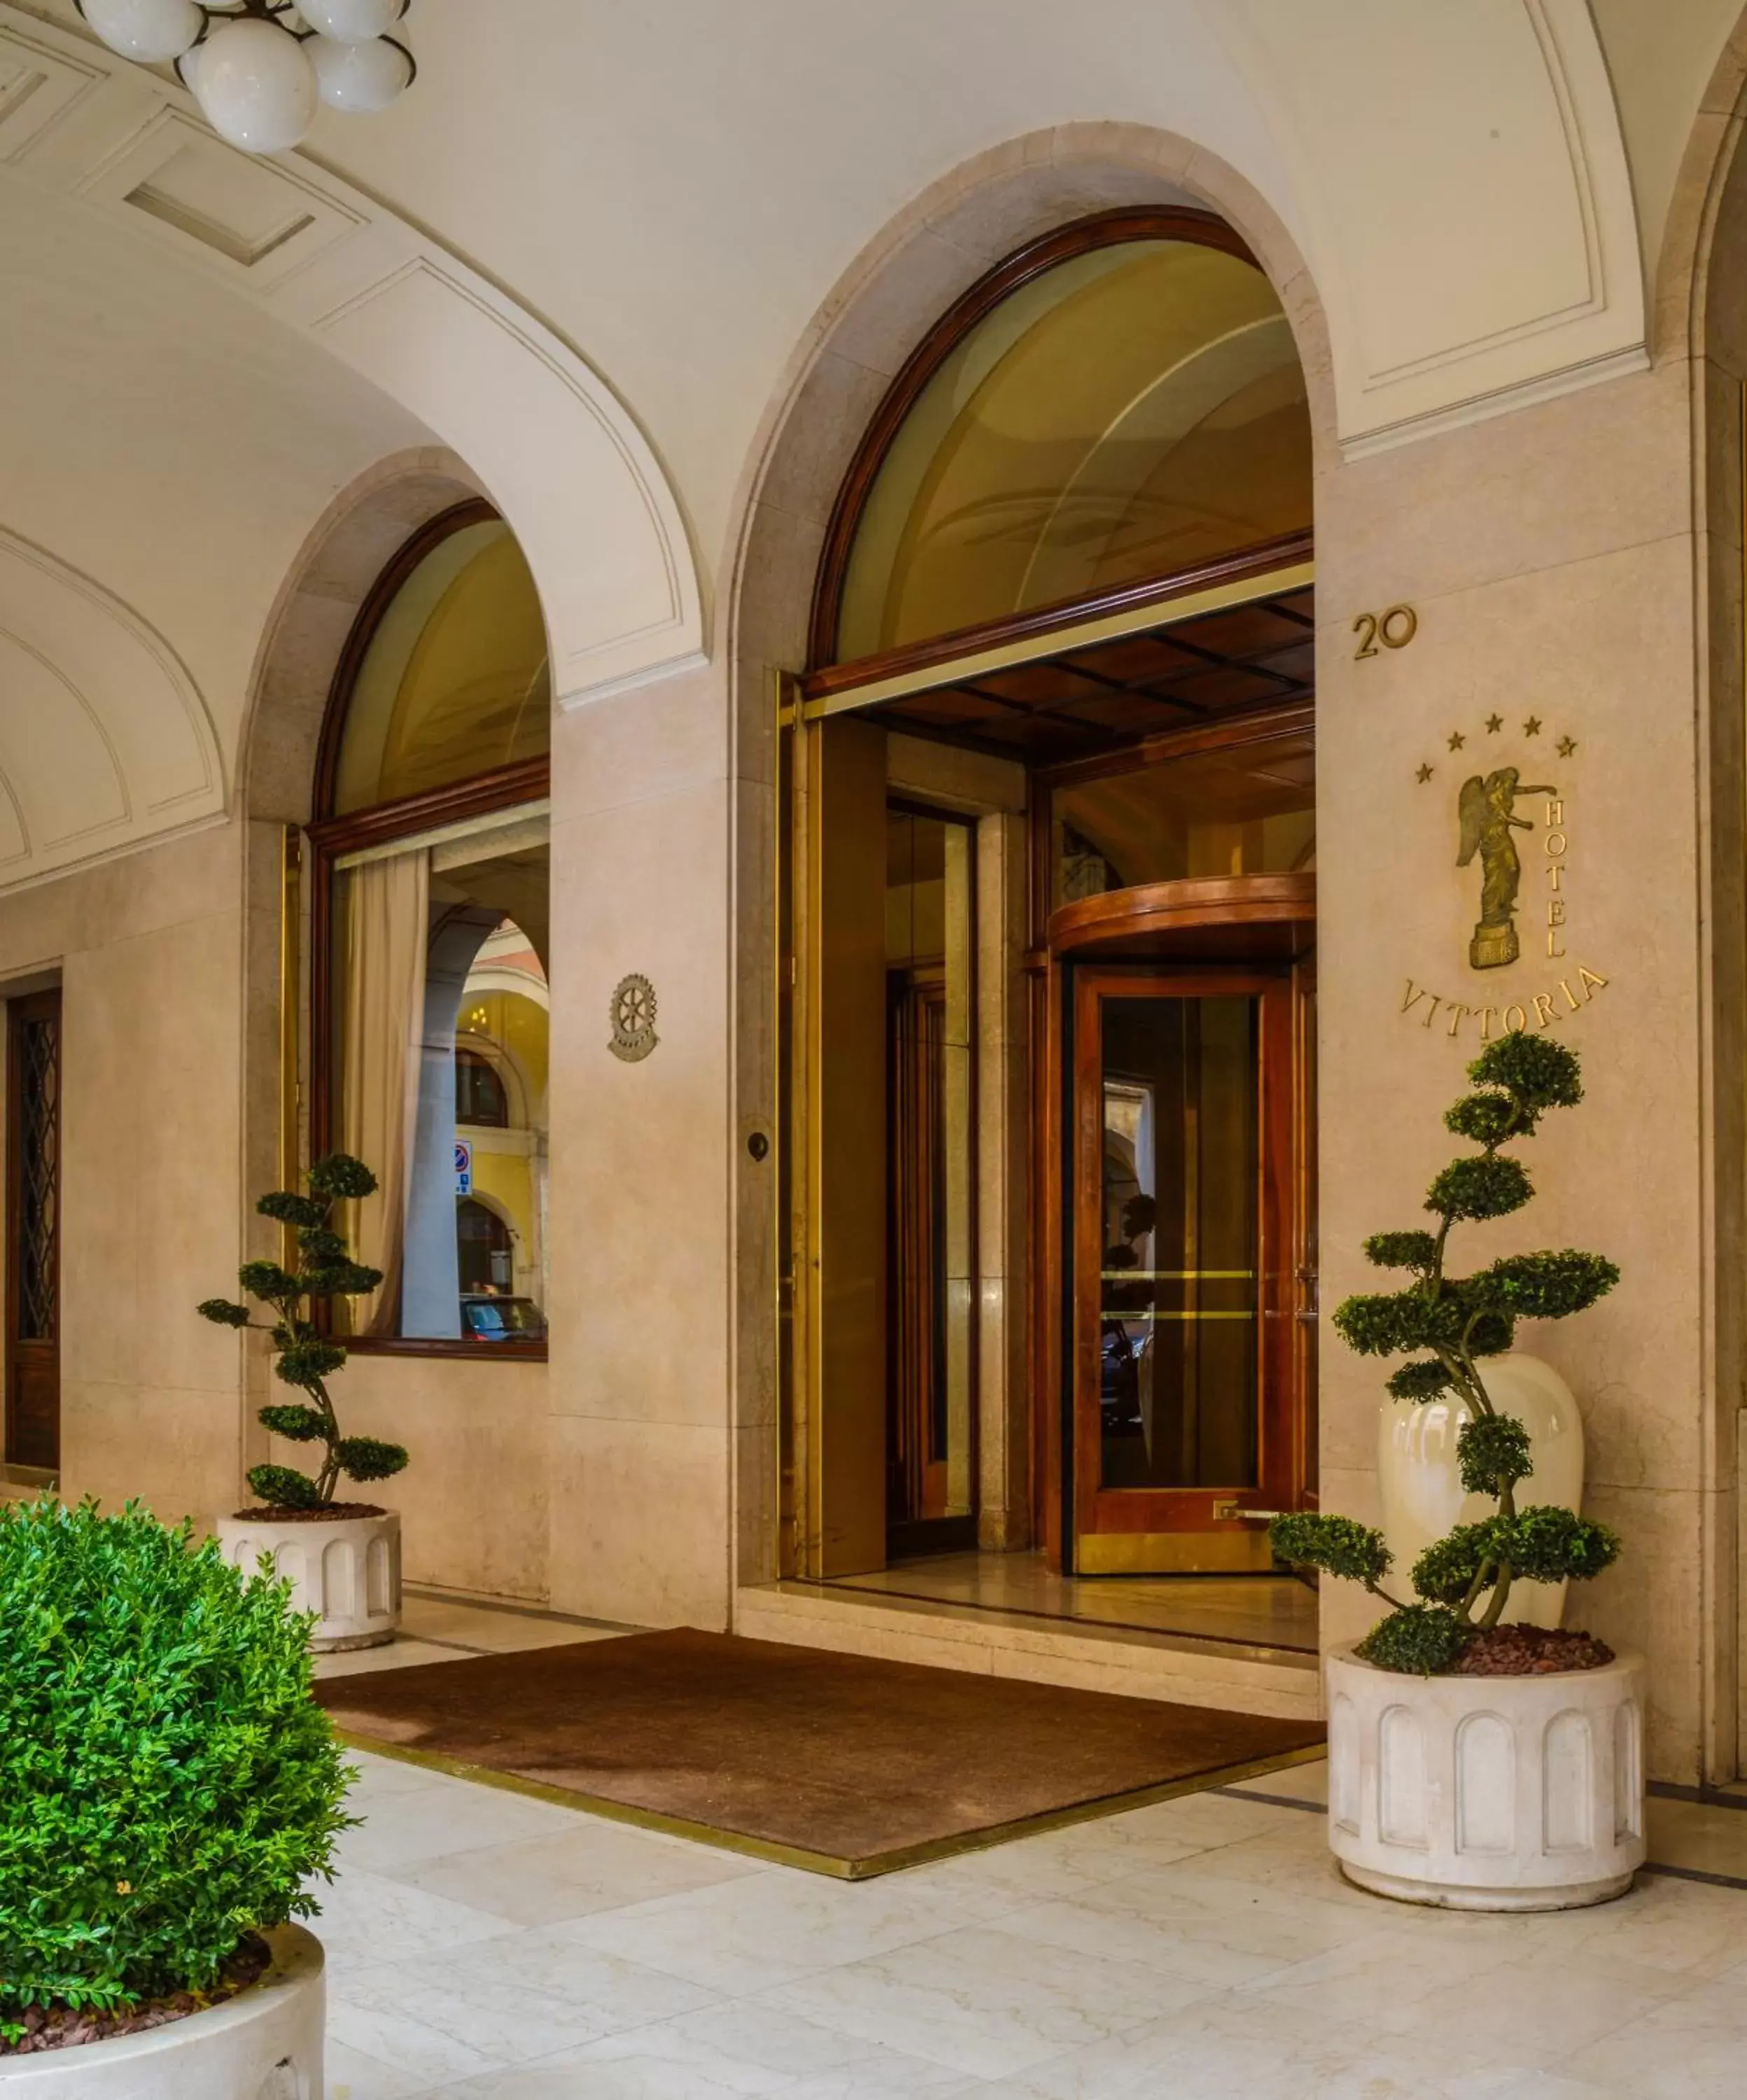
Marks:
<point>167,1783</point>
<point>1458,1322</point>
<point>304,1356</point>
<point>1420,1639</point>
<point>1338,1545</point>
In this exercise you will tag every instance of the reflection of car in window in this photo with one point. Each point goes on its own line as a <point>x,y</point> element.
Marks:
<point>491,1319</point>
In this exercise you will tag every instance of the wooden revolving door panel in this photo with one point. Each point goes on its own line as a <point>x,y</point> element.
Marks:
<point>1186,1222</point>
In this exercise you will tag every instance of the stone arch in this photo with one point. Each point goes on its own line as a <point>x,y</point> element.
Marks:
<point>908,276</point>
<point>1681,307</point>
<point>1701,319</point>
<point>335,569</point>
<point>564,457</point>
<point>904,279</point>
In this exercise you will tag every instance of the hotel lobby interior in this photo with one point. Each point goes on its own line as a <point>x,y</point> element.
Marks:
<point>913,837</point>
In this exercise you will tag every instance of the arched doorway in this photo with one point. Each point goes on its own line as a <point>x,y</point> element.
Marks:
<point>1049,789</point>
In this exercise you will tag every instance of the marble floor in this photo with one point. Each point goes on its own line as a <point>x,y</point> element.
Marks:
<point>483,1946</point>
<point>1260,1611</point>
<point>439,1628</point>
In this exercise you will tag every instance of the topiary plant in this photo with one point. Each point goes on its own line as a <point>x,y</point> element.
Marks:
<point>167,1783</point>
<point>305,1356</point>
<point>1464,1580</point>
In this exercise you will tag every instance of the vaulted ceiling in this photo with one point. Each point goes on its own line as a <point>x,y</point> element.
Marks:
<point>585,249</point>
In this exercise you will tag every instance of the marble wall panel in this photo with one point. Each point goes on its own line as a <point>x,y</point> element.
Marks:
<point>640,1527</point>
<point>473,1503</point>
<point>149,954</point>
<point>641,1339</point>
<point>1549,557</point>
<point>173,1449</point>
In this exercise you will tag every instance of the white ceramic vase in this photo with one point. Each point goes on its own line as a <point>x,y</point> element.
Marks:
<point>346,1569</point>
<point>1488,1793</point>
<point>1423,1495</point>
<point>264,2043</point>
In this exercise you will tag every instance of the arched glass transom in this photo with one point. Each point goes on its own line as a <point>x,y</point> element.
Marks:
<point>454,680</point>
<point>1135,411</point>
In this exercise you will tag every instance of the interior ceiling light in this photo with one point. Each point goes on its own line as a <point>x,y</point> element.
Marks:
<point>259,68</point>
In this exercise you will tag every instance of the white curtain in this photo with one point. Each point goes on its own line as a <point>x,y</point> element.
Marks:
<point>387,932</point>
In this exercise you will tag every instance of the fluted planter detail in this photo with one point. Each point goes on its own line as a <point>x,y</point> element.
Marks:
<point>1488,1793</point>
<point>347,1569</point>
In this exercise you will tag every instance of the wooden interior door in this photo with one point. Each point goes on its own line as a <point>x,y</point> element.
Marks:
<point>1188,1269</point>
<point>33,1245</point>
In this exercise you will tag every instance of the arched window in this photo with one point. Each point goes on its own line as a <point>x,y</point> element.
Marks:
<point>446,676</point>
<point>1119,403</point>
<point>432,879</point>
<point>479,1097</point>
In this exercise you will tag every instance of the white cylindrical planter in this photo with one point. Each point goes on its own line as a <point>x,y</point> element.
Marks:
<point>1488,1793</point>
<point>347,1569</point>
<point>264,2043</point>
<point>1422,1491</point>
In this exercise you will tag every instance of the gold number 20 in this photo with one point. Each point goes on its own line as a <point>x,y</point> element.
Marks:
<point>1394,628</point>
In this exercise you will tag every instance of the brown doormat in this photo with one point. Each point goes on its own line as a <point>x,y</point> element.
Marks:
<point>841,1764</point>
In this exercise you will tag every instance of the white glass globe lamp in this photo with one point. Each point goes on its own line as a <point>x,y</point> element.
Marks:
<point>360,78</point>
<point>352,21</point>
<point>147,30</point>
<point>256,86</point>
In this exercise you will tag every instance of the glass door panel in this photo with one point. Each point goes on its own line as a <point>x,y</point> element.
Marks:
<point>1183,1291</point>
<point>930,1135</point>
<point>1179,1315</point>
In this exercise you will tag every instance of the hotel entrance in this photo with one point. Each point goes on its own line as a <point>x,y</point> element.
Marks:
<point>1046,1005</point>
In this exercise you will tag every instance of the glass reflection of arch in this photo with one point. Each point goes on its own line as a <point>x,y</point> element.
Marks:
<point>1119,403</point>
<point>433,857</point>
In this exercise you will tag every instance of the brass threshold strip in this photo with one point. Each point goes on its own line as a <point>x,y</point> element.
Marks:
<point>1056,642</point>
<point>836,1868</point>
<point>1137,1318</point>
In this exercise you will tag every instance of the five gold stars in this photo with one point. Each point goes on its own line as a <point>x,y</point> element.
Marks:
<point>1457,740</point>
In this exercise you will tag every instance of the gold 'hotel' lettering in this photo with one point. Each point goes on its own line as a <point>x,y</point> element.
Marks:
<point>1541,1010</point>
<point>1555,844</point>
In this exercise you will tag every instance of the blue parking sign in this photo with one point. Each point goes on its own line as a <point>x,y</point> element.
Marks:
<point>463,1167</point>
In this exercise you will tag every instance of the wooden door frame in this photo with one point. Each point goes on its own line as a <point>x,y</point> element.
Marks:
<point>1116,1513</point>
<point>22,1009</point>
<point>1225,926</point>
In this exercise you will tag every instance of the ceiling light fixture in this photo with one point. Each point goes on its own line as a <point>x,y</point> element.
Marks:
<point>259,68</point>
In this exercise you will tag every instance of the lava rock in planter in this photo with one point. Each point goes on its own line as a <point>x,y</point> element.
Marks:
<point>264,2044</point>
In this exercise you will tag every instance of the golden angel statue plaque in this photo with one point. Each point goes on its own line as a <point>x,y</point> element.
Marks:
<point>1488,809</point>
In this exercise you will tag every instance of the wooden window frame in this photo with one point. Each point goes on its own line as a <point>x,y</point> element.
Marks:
<point>330,836</point>
<point>1105,229</point>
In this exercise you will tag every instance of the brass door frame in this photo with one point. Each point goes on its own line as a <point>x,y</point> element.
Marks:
<point>830,1305</point>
